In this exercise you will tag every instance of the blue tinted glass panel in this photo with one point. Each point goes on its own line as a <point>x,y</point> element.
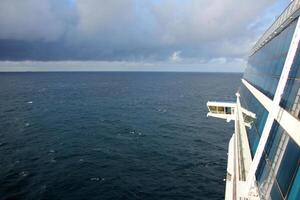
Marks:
<point>273,141</point>
<point>270,149</point>
<point>262,171</point>
<point>291,90</point>
<point>295,191</point>
<point>265,66</point>
<point>288,166</point>
<point>275,193</point>
<point>249,102</point>
<point>295,72</point>
<point>290,95</point>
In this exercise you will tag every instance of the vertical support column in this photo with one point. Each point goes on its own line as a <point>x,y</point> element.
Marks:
<point>277,98</point>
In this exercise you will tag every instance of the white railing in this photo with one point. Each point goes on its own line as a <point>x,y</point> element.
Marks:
<point>285,18</point>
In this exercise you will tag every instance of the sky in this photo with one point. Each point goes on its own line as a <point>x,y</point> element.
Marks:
<point>132,35</point>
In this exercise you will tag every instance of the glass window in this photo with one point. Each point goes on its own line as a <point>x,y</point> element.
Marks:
<point>250,103</point>
<point>228,110</point>
<point>265,66</point>
<point>212,109</point>
<point>286,176</point>
<point>220,109</point>
<point>295,190</point>
<point>288,166</point>
<point>275,193</point>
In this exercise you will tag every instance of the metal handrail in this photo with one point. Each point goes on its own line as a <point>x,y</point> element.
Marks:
<point>284,19</point>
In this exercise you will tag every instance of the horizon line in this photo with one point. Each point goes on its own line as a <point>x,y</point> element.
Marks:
<point>217,72</point>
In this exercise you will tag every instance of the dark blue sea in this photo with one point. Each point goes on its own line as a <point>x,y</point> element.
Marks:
<point>113,135</point>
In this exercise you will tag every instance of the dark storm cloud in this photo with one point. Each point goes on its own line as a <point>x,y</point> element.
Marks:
<point>128,30</point>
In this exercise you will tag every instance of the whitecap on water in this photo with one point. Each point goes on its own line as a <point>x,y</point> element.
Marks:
<point>27,124</point>
<point>161,110</point>
<point>23,173</point>
<point>51,151</point>
<point>136,133</point>
<point>30,102</point>
<point>95,179</point>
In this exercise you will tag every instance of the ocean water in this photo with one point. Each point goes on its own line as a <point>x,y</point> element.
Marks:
<point>113,135</point>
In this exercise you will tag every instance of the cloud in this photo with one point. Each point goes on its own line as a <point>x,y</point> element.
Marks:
<point>99,15</point>
<point>100,20</point>
<point>30,20</point>
<point>131,30</point>
<point>203,24</point>
<point>175,57</point>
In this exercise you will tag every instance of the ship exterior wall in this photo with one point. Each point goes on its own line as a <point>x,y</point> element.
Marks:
<point>263,71</point>
<point>277,175</point>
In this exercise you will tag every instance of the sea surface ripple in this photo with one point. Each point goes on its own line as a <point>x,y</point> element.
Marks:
<point>113,135</point>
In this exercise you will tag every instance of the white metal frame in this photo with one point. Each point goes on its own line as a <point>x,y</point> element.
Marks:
<point>286,120</point>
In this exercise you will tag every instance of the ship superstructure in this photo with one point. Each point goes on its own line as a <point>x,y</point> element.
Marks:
<point>264,152</point>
